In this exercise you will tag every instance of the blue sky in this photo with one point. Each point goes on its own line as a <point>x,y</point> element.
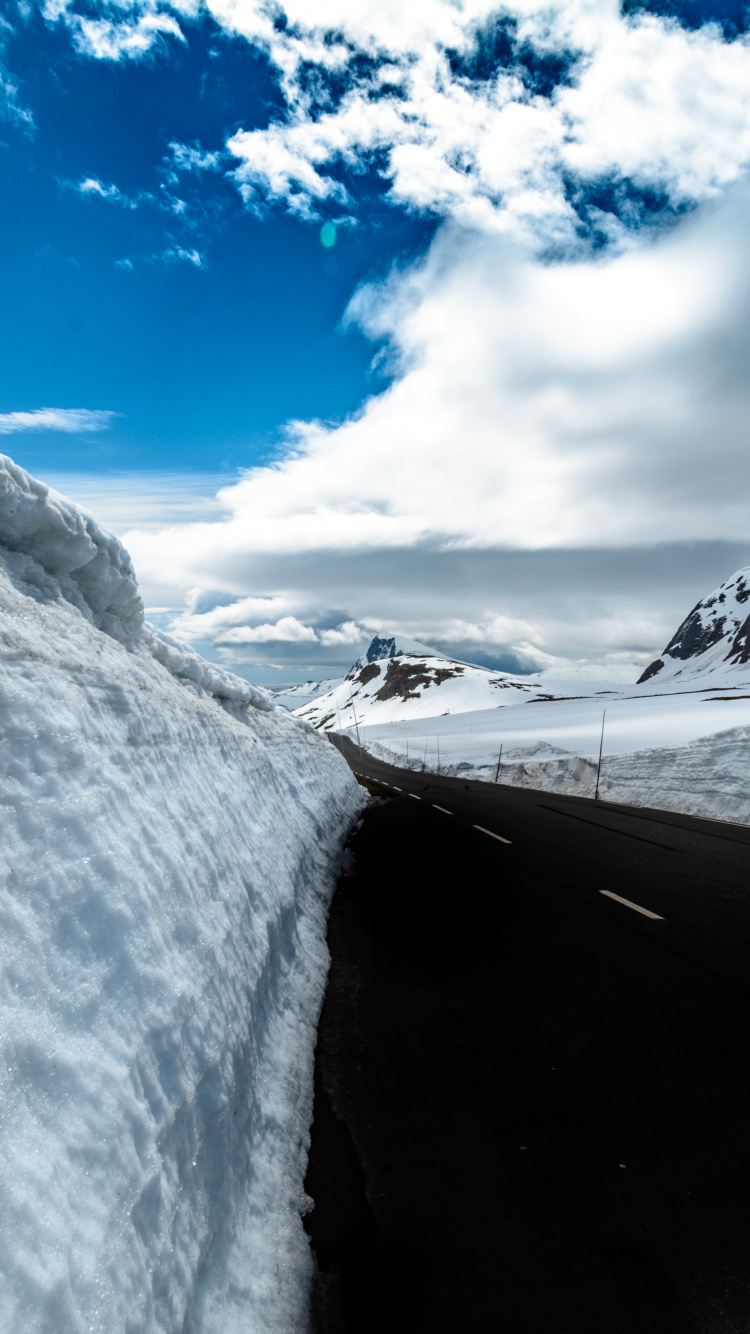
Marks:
<point>504,412</point>
<point>204,363</point>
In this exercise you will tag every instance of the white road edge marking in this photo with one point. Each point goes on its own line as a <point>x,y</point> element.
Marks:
<point>499,837</point>
<point>396,789</point>
<point>635,906</point>
<point>441,808</point>
<point>414,795</point>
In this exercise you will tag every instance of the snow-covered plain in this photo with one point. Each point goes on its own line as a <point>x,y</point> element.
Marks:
<point>169,844</point>
<point>678,739</point>
<point>686,752</point>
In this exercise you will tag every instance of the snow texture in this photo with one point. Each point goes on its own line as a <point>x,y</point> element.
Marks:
<point>169,845</point>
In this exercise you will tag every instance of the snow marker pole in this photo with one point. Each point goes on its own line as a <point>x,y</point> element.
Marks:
<point>500,756</point>
<point>438,741</point>
<point>599,765</point>
<point>338,715</point>
<point>356,728</point>
<point>424,761</point>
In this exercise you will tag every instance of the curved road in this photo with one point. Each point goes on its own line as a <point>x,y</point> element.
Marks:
<point>531,1107</point>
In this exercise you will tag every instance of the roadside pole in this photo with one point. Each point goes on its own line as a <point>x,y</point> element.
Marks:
<point>599,765</point>
<point>356,728</point>
<point>500,756</point>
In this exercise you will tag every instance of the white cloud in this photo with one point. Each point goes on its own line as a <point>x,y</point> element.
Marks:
<point>191,157</point>
<point>645,101</point>
<point>346,633</point>
<point>177,254</point>
<point>92,186</point>
<point>288,630</point>
<point>56,419</point>
<point>115,39</point>
<point>538,408</point>
<point>10,107</point>
<point>539,405</point>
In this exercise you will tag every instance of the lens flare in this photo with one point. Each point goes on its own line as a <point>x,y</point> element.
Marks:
<point>328,235</point>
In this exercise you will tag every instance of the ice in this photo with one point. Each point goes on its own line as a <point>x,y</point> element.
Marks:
<point>169,844</point>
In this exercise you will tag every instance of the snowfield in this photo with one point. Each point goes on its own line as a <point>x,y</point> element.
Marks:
<point>676,740</point>
<point>169,846</point>
<point>688,752</point>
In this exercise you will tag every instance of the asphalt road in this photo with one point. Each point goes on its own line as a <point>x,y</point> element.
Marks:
<point>532,1100</point>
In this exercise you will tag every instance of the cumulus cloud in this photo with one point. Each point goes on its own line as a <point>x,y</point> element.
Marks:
<point>548,409</point>
<point>56,419</point>
<point>555,405</point>
<point>633,102</point>
<point>286,631</point>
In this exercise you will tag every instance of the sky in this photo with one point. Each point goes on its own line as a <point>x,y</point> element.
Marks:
<point>357,316</point>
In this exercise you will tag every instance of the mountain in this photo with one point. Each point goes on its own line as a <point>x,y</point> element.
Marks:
<point>394,647</point>
<point>713,639</point>
<point>415,685</point>
<point>294,698</point>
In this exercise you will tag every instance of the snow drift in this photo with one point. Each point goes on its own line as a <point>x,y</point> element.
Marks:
<point>167,860</point>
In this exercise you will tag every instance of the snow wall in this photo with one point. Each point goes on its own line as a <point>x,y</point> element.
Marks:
<point>706,777</point>
<point>168,855</point>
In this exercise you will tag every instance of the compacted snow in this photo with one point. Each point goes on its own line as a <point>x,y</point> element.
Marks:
<point>169,843</point>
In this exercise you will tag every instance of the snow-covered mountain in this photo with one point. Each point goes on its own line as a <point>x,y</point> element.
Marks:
<point>169,846</point>
<point>394,646</point>
<point>714,639</point>
<point>379,649</point>
<point>414,685</point>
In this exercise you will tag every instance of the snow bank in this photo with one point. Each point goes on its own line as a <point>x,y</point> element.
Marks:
<point>684,751</point>
<point>169,840</point>
<point>93,570</point>
<point>708,777</point>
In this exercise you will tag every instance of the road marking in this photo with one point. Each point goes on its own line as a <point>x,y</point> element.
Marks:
<point>635,906</point>
<point>441,808</point>
<point>396,789</point>
<point>499,837</point>
<point>414,795</point>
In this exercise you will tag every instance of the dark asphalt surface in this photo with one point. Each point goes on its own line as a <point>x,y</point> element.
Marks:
<point>532,1102</point>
